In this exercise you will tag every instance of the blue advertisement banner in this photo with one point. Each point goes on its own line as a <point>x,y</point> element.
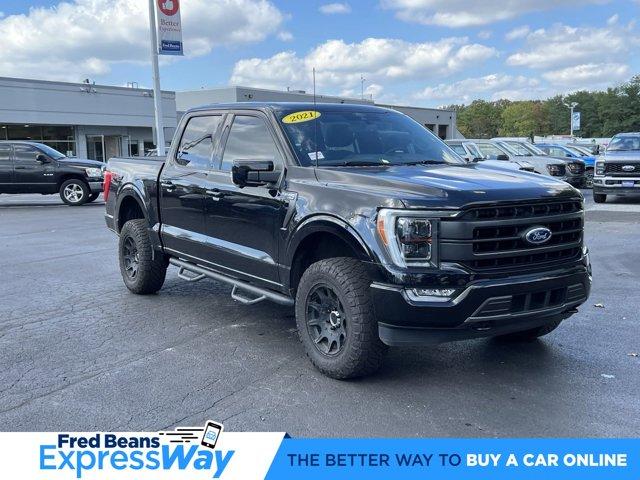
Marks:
<point>475,459</point>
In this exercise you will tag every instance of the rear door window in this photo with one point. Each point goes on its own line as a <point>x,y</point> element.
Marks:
<point>197,143</point>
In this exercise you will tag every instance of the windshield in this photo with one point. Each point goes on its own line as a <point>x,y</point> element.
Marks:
<point>577,151</point>
<point>520,149</point>
<point>50,152</point>
<point>510,150</point>
<point>475,151</point>
<point>624,143</point>
<point>352,138</point>
<point>491,150</point>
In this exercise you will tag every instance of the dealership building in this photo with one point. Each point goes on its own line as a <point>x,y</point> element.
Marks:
<point>82,119</point>
<point>99,122</point>
<point>440,122</point>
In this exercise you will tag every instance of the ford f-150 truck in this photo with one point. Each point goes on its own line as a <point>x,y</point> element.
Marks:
<point>369,225</point>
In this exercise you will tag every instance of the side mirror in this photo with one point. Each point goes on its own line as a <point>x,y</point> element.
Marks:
<point>251,173</point>
<point>503,157</point>
<point>42,158</point>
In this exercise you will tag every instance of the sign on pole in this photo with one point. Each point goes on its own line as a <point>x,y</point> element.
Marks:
<point>169,27</point>
<point>575,121</point>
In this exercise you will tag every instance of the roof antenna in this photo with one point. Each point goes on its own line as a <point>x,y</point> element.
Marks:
<point>315,124</point>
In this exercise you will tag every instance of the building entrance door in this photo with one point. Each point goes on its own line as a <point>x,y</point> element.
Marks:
<point>112,146</point>
<point>95,147</point>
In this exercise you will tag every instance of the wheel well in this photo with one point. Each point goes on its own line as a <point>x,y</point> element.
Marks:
<point>129,210</point>
<point>64,178</point>
<point>319,246</point>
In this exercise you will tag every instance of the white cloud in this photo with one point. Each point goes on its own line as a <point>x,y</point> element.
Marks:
<point>335,8</point>
<point>613,19</point>
<point>84,38</point>
<point>485,34</point>
<point>563,46</point>
<point>492,87</point>
<point>518,32</point>
<point>285,36</point>
<point>381,60</point>
<point>465,13</point>
<point>588,75</point>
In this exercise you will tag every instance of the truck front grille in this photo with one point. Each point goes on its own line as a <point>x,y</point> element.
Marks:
<point>493,238</point>
<point>619,170</point>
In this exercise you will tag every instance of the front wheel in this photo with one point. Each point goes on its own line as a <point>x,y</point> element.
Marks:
<point>588,178</point>
<point>142,271</point>
<point>599,197</point>
<point>74,192</point>
<point>336,320</point>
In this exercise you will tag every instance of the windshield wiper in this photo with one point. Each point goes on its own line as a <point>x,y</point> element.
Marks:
<point>356,163</point>
<point>425,162</point>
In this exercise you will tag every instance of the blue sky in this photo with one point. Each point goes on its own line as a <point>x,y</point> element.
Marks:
<point>422,52</point>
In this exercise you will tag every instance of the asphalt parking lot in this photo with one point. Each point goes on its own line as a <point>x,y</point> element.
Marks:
<point>78,352</point>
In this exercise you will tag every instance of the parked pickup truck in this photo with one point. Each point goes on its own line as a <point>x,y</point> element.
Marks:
<point>618,170</point>
<point>32,167</point>
<point>369,225</point>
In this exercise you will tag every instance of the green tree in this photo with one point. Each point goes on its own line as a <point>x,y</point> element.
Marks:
<point>480,119</point>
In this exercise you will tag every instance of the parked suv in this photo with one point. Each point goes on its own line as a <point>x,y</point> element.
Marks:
<point>366,223</point>
<point>571,152</point>
<point>31,167</point>
<point>618,170</point>
<point>470,152</point>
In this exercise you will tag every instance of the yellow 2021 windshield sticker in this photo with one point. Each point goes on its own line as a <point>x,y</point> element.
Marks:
<point>298,117</point>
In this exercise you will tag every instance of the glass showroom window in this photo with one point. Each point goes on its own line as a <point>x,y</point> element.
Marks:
<point>60,137</point>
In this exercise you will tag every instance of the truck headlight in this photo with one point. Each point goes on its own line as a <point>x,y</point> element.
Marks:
<point>599,168</point>
<point>555,170</point>
<point>410,237</point>
<point>93,172</point>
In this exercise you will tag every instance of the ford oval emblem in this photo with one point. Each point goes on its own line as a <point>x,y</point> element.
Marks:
<point>628,168</point>
<point>537,235</point>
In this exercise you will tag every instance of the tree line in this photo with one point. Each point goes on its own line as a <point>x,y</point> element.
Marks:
<point>603,114</point>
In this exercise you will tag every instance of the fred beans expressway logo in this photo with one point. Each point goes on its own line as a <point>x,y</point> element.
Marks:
<point>189,450</point>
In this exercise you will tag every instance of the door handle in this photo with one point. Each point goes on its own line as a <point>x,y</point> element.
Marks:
<point>19,168</point>
<point>169,186</point>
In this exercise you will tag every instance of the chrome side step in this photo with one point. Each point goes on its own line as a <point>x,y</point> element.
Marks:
<point>199,273</point>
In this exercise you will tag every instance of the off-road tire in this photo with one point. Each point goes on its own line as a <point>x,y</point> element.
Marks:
<point>74,192</point>
<point>532,334</point>
<point>150,269</point>
<point>92,197</point>
<point>362,351</point>
<point>599,197</point>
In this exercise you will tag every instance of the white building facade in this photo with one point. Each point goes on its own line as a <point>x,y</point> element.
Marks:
<point>82,119</point>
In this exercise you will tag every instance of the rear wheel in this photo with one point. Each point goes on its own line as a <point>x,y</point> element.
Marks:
<point>532,334</point>
<point>599,197</point>
<point>74,192</point>
<point>336,321</point>
<point>142,271</point>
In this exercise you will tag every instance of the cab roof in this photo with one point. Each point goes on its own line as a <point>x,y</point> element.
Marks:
<point>292,106</point>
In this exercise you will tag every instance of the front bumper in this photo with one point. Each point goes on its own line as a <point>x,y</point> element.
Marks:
<point>578,180</point>
<point>484,308</point>
<point>615,186</point>
<point>96,186</point>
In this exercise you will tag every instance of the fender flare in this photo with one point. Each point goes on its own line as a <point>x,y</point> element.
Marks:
<point>328,224</point>
<point>129,191</point>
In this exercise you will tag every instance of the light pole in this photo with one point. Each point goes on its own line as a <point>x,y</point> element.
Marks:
<point>362,80</point>
<point>571,105</point>
<point>157,93</point>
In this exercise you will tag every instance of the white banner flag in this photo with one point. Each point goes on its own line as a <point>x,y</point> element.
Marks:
<point>169,27</point>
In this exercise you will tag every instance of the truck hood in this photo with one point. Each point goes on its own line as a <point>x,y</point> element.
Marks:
<point>81,162</point>
<point>621,155</point>
<point>445,186</point>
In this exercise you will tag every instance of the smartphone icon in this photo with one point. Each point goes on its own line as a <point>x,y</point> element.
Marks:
<point>211,434</point>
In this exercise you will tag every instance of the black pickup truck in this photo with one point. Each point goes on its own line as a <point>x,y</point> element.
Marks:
<point>373,228</point>
<point>32,167</point>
